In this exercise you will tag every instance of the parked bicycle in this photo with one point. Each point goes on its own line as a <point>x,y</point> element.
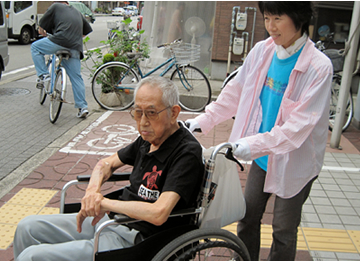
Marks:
<point>56,87</point>
<point>337,59</point>
<point>113,83</point>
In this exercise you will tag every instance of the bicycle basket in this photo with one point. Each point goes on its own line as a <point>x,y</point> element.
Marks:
<point>336,58</point>
<point>187,53</point>
<point>114,24</point>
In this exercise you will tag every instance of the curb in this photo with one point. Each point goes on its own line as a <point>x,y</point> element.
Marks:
<point>16,176</point>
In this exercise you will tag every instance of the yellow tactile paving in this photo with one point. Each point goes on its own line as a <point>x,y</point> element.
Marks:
<point>49,211</point>
<point>6,235</point>
<point>12,214</point>
<point>32,201</point>
<point>355,236</point>
<point>32,197</point>
<point>26,202</point>
<point>334,240</point>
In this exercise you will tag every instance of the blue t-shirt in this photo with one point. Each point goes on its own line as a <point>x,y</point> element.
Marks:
<point>272,93</point>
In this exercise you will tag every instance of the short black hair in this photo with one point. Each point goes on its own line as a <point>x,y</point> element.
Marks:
<point>300,12</point>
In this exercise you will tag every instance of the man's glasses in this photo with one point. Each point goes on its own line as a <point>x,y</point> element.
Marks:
<point>150,114</point>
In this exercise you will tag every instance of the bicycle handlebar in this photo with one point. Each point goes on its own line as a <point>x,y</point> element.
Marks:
<point>177,41</point>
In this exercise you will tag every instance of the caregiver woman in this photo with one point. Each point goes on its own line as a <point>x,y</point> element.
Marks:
<point>280,100</point>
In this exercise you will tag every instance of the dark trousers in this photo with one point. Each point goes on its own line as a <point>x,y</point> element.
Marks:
<point>287,217</point>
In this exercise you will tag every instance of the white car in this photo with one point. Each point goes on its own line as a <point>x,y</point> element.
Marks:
<point>132,9</point>
<point>118,11</point>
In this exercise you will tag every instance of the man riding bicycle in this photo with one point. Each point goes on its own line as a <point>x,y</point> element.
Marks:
<point>67,27</point>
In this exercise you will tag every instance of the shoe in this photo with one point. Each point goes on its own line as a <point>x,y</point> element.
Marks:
<point>41,80</point>
<point>83,112</point>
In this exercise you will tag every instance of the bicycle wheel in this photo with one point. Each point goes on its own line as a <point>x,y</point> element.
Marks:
<point>205,244</point>
<point>335,89</point>
<point>229,78</point>
<point>42,97</point>
<point>194,87</point>
<point>56,96</point>
<point>113,86</point>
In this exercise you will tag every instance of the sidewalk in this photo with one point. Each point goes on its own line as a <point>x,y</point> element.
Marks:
<point>330,228</point>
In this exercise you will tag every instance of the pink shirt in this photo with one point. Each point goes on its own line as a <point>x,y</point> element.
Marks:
<point>296,144</point>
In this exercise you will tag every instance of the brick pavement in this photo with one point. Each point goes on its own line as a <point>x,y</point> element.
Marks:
<point>105,135</point>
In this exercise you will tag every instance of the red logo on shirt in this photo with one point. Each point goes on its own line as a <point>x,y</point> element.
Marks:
<point>151,178</point>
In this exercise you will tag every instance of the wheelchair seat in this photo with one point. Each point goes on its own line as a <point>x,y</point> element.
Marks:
<point>185,242</point>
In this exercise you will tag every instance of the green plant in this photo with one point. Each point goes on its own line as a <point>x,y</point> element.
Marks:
<point>117,49</point>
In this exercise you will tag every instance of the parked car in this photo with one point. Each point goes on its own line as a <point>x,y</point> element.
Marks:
<point>84,10</point>
<point>118,11</point>
<point>4,52</point>
<point>132,9</point>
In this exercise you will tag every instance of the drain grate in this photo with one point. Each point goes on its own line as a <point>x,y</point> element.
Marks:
<point>13,91</point>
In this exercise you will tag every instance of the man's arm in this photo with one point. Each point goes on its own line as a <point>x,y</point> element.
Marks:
<point>155,213</point>
<point>90,203</point>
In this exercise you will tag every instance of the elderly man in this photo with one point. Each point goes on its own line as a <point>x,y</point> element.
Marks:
<point>167,174</point>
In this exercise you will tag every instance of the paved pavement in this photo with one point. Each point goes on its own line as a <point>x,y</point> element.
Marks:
<point>51,155</point>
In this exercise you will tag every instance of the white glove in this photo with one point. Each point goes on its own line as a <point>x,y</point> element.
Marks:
<point>241,149</point>
<point>193,124</point>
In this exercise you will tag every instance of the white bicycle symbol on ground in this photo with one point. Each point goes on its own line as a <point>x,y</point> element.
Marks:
<point>114,139</point>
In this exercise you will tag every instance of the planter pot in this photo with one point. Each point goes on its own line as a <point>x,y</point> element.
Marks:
<point>110,99</point>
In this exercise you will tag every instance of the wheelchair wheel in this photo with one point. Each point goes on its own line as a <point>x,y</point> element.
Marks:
<point>205,244</point>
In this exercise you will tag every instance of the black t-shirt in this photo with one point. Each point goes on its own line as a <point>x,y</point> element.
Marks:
<point>67,26</point>
<point>176,166</point>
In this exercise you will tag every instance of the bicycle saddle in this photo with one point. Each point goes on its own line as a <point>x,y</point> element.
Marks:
<point>64,53</point>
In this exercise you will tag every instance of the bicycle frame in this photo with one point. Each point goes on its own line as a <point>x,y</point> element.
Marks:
<point>172,62</point>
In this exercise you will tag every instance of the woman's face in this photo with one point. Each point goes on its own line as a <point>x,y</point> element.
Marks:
<point>282,29</point>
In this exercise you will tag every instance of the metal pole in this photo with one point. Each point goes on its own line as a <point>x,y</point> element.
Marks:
<point>346,79</point>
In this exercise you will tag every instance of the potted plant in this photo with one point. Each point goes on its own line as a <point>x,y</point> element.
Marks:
<point>125,41</point>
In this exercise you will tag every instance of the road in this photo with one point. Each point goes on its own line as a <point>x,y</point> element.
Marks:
<point>21,63</point>
<point>25,129</point>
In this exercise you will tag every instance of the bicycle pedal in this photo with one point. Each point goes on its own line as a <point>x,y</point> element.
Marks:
<point>64,101</point>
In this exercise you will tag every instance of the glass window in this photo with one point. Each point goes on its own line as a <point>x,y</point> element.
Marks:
<point>1,16</point>
<point>21,5</point>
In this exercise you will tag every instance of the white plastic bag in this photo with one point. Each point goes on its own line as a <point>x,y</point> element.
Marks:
<point>228,204</point>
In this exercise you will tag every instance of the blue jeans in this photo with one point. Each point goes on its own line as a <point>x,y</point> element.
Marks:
<point>73,67</point>
<point>286,219</point>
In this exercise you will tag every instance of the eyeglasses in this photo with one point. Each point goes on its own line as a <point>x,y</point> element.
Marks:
<point>150,114</point>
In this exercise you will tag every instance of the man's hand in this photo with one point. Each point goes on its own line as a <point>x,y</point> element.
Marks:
<point>241,149</point>
<point>90,207</point>
<point>42,31</point>
<point>81,217</point>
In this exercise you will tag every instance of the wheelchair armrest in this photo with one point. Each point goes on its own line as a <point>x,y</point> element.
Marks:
<point>122,219</point>
<point>123,176</point>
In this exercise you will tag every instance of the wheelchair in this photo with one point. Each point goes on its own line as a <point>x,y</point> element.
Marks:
<point>186,242</point>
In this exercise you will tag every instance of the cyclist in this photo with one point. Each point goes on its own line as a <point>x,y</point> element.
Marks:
<point>280,98</point>
<point>67,27</point>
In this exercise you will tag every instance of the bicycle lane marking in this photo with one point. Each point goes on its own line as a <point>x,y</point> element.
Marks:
<point>108,140</point>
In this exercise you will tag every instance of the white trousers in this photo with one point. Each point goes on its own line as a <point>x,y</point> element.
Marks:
<point>54,237</point>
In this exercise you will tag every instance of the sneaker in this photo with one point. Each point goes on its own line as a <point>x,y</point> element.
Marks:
<point>83,112</point>
<point>41,80</point>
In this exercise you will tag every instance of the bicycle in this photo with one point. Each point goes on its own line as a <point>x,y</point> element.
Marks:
<point>337,59</point>
<point>56,87</point>
<point>113,83</point>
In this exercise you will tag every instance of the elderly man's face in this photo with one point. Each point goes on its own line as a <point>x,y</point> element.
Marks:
<point>158,130</point>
